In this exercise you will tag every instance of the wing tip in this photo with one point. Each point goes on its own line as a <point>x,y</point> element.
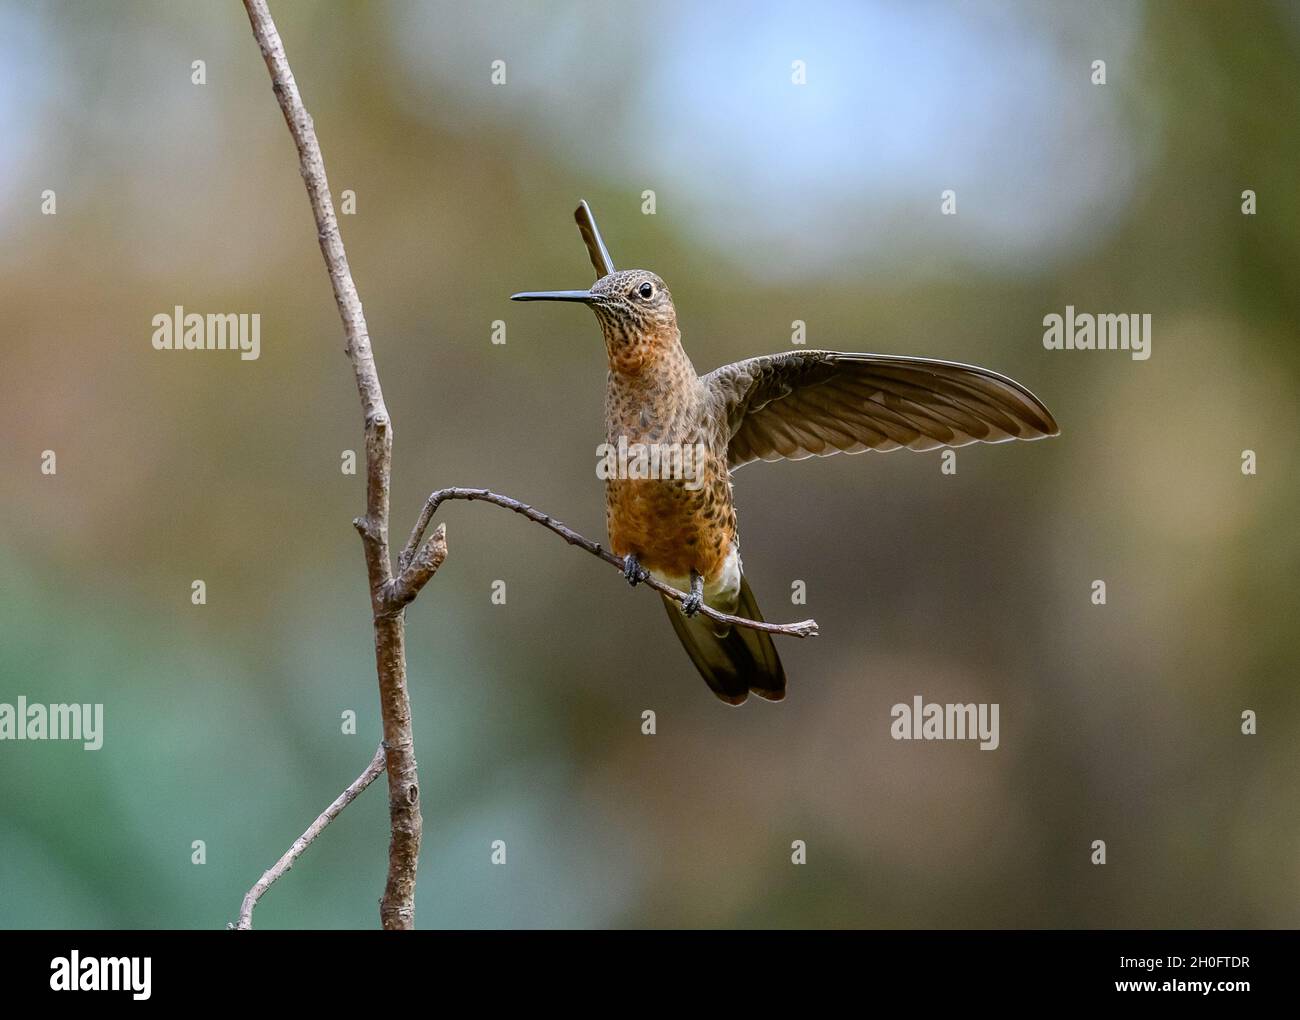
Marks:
<point>1046,425</point>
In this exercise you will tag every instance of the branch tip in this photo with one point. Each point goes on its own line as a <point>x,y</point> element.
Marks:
<point>300,845</point>
<point>803,629</point>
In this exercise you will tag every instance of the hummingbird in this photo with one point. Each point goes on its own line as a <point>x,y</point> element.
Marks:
<point>681,526</point>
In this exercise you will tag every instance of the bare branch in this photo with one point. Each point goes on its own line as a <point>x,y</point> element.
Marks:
<point>412,576</point>
<point>397,908</point>
<point>417,573</point>
<point>418,563</point>
<point>376,766</point>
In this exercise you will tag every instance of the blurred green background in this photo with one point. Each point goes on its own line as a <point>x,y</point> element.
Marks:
<point>774,203</point>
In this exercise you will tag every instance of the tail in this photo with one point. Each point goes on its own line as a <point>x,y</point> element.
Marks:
<point>732,660</point>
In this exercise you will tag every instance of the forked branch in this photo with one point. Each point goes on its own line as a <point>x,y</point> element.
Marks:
<point>390,594</point>
<point>397,907</point>
<point>412,574</point>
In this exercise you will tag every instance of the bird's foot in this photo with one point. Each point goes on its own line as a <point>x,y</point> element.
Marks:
<point>632,570</point>
<point>695,600</point>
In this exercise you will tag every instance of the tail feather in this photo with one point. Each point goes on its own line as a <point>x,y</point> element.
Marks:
<point>732,660</point>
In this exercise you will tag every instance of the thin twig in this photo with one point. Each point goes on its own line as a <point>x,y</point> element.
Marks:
<point>397,907</point>
<point>376,766</point>
<point>414,574</point>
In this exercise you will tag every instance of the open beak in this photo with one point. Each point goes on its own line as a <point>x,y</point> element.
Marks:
<point>585,297</point>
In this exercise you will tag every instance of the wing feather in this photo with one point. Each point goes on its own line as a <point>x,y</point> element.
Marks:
<point>816,403</point>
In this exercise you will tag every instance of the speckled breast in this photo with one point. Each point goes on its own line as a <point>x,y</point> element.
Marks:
<point>674,526</point>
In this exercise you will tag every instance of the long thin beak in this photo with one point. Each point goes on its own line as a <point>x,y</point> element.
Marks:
<point>586,297</point>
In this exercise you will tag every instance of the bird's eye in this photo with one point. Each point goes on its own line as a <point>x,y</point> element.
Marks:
<point>646,290</point>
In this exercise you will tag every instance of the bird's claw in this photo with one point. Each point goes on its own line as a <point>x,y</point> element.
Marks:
<point>695,598</point>
<point>632,571</point>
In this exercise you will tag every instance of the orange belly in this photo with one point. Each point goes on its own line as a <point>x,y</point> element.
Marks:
<point>670,528</point>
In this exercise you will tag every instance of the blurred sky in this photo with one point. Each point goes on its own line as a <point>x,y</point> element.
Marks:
<point>775,202</point>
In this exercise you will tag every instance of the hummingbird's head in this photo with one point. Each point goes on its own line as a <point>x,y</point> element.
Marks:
<point>635,312</point>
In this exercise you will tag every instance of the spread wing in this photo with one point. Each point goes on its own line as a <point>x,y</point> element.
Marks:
<point>816,403</point>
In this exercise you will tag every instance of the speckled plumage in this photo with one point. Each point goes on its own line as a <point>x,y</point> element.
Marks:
<point>782,406</point>
<point>654,396</point>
